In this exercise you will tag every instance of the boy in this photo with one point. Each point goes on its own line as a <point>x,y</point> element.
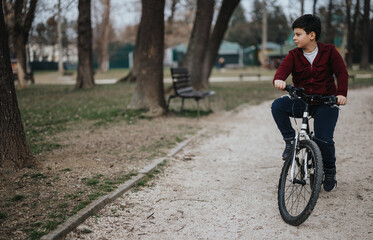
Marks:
<point>312,65</point>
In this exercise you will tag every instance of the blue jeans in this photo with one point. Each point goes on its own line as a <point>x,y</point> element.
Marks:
<point>325,120</point>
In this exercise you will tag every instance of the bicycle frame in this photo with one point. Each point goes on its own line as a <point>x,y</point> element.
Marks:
<point>303,133</point>
<point>302,173</point>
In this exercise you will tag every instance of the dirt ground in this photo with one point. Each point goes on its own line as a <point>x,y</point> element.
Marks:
<point>224,186</point>
<point>36,199</point>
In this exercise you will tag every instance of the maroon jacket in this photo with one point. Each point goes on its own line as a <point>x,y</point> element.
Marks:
<point>318,77</point>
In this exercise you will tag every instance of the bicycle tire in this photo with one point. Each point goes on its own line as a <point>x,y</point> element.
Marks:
<point>314,181</point>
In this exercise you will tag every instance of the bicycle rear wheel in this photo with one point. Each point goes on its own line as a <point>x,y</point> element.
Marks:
<point>297,197</point>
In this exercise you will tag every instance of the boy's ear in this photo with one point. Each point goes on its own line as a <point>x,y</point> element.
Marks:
<point>312,36</point>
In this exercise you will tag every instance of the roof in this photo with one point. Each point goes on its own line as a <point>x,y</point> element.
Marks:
<point>180,47</point>
<point>229,48</point>
<point>281,51</point>
<point>270,46</point>
<point>225,48</point>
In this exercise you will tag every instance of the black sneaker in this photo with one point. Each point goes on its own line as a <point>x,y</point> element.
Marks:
<point>330,181</point>
<point>288,149</point>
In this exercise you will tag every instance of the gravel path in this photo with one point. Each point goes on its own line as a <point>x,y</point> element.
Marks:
<point>224,186</point>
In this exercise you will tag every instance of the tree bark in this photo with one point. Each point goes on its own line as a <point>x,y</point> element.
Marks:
<point>104,38</point>
<point>132,75</point>
<point>351,35</point>
<point>301,7</point>
<point>198,43</point>
<point>19,26</point>
<point>149,93</point>
<point>347,30</point>
<point>364,63</point>
<point>226,11</point>
<point>85,78</point>
<point>264,33</point>
<point>314,7</point>
<point>170,20</point>
<point>59,36</point>
<point>14,150</point>
<point>330,36</point>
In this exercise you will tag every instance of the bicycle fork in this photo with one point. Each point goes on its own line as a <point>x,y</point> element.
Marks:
<point>302,134</point>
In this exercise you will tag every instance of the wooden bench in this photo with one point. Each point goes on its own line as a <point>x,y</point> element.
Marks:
<point>249,75</point>
<point>183,88</point>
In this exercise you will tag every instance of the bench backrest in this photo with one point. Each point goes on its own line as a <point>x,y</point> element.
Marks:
<point>181,80</point>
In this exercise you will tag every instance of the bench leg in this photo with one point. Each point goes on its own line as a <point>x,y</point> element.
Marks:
<point>168,102</point>
<point>198,109</point>
<point>182,104</point>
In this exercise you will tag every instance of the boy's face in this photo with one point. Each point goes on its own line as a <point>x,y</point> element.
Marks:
<point>302,39</point>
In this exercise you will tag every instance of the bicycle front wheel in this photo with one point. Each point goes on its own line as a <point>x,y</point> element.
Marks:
<point>297,196</point>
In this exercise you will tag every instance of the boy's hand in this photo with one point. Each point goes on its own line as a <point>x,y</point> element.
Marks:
<point>280,84</point>
<point>341,100</point>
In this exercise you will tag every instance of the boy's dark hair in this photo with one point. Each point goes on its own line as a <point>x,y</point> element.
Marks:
<point>309,23</point>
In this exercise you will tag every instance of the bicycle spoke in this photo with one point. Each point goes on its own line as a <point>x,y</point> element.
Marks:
<point>296,196</point>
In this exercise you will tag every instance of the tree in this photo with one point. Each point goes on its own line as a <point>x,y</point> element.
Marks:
<point>250,33</point>
<point>59,36</point>
<point>149,93</point>
<point>19,15</point>
<point>301,7</point>
<point>198,42</point>
<point>13,146</point>
<point>226,10</point>
<point>352,33</point>
<point>348,23</point>
<point>132,75</point>
<point>264,34</point>
<point>314,7</point>
<point>170,20</point>
<point>331,31</point>
<point>85,67</point>
<point>239,29</point>
<point>364,63</point>
<point>104,37</point>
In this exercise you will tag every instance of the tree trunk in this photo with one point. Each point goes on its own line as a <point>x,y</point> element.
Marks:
<point>364,63</point>
<point>264,34</point>
<point>85,67</point>
<point>149,93</point>
<point>348,23</point>
<point>13,146</point>
<point>226,10</point>
<point>132,75</point>
<point>105,37</point>
<point>170,20</point>
<point>314,7</point>
<point>198,43</point>
<point>23,19</point>
<point>301,7</point>
<point>59,36</point>
<point>330,36</point>
<point>351,35</point>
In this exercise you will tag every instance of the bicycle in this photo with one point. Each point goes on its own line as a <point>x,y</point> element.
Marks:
<point>302,173</point>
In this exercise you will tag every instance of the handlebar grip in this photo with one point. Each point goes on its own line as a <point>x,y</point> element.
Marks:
<point>288,88</point>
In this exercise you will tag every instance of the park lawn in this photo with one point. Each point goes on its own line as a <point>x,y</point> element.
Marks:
<point>50,109</point>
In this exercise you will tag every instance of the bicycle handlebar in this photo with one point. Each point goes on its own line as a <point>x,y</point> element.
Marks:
<point>298,93</point>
